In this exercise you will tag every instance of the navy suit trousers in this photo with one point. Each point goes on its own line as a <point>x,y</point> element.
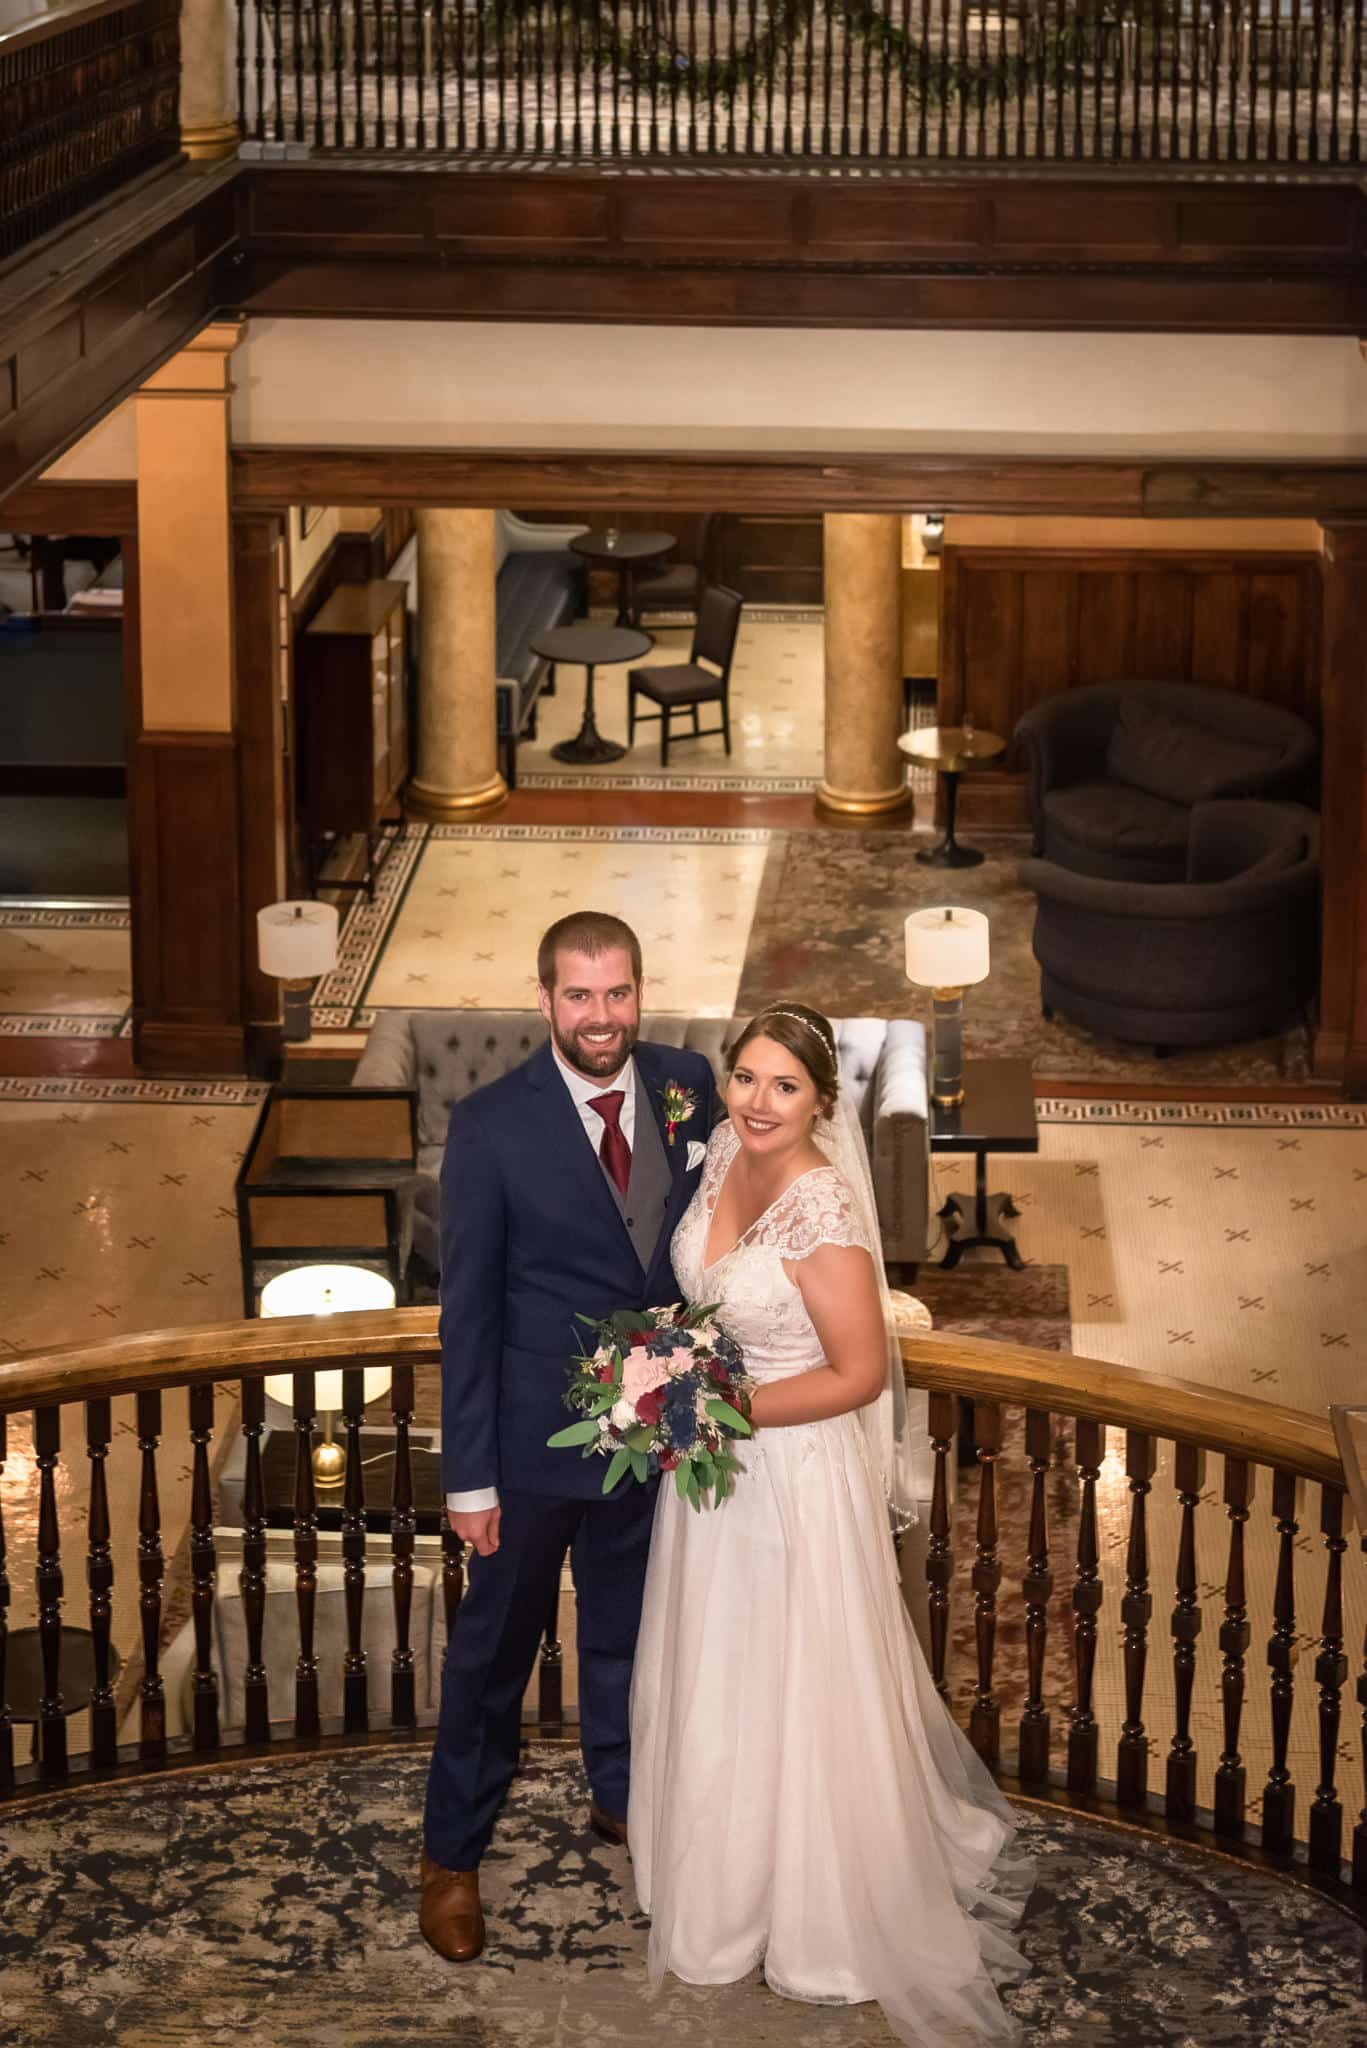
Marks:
<point>493,1650</point>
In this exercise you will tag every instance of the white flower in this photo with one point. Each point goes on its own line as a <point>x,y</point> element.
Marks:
<point>603,1425</point>
<point>623,1416</point>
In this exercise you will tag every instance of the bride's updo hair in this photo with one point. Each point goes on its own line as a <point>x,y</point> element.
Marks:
<point>803,1032</point>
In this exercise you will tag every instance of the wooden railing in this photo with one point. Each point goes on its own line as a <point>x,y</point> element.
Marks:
<point>87,101</point>
<point>1050,1742</point>
<point>1082,81</point>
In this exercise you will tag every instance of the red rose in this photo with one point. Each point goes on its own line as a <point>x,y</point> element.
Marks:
<point>604,1373</point>
<point>717,1372</point>
<point>651,1407</point>
<point>668,1460</point>
<point>638,1339</point>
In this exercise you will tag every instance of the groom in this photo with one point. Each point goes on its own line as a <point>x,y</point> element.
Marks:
<point>562,1187</point>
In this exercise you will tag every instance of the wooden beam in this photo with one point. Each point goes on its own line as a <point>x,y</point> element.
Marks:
<point>681,481</point>
<point>71,508</point>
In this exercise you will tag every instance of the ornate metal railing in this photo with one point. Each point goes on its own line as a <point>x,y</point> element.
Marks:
<point>87,101</point>
<point>62,1420</point>
<point>1081,81</point>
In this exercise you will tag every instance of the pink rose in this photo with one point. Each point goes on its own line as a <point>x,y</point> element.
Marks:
<point>641,1374</point>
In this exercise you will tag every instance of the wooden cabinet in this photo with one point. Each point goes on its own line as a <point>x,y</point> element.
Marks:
<point>351,719</point>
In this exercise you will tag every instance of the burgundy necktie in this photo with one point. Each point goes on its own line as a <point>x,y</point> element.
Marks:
<point>614,1150</point>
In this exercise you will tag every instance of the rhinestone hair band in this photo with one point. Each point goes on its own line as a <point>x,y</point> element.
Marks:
<point>815,1029</point>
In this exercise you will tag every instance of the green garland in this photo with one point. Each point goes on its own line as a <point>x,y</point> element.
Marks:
<point>1047,54</point>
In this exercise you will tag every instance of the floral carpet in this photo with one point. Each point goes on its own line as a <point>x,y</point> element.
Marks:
<point>274,1903</point>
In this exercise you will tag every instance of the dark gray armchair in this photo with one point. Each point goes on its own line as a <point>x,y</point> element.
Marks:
<point>1114,769</point>
<point>1227,954</point>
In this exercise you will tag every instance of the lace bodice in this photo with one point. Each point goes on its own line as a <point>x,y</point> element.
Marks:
<point>757,1303</point>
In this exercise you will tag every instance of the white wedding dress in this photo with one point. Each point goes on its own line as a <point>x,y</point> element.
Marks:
<point>800,1795</point>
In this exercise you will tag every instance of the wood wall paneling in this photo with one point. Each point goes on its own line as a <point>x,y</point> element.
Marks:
<point>1017,626</point>
<point>1341,1040</point>
<point>260,653</point>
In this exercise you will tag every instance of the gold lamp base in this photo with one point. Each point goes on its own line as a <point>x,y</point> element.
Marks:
<point>329,1464</point>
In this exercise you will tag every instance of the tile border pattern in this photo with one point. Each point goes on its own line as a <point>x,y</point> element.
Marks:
<point>38,919</point>
<point>337,1000</point>
<point>1224,1116</point>
<point>50,1024</point>
<point>77,1088</point>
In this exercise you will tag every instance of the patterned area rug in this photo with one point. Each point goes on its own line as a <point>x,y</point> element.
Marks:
<point>846,957</point>
<point>275,1903</point>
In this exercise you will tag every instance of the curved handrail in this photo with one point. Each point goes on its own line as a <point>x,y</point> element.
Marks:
<point>1096,1389</point>
<point>42,25</point>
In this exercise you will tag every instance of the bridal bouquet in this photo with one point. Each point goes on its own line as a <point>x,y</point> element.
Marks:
<point>660,1390</point>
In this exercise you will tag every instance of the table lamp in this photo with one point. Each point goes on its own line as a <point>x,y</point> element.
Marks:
<point>326,1291</point>
<point>297,942</point>
<point>947,948</point>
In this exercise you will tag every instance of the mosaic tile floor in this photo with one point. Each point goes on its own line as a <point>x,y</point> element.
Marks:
<point>465,935</point>
<point>64,973</point>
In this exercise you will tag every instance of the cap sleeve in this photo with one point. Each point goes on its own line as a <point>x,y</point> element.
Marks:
<point>818,1209</point>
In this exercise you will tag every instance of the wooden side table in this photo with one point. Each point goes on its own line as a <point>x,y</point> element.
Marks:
<point>997,1114</point>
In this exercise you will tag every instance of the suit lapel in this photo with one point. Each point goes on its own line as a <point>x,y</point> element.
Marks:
<point>654,1074</point>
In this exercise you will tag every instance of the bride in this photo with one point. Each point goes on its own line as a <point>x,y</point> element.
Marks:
<point>800,1795</point>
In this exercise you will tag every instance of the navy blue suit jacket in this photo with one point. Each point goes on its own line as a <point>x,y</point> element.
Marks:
<point>531,1238</point>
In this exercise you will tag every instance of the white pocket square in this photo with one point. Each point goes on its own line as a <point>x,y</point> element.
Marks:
<point>696,1154</point>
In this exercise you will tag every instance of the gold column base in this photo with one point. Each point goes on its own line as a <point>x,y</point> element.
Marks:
<point>447,807</point>
<point>329,1465</point>
<point>210,140</point>
<point>852,804</point>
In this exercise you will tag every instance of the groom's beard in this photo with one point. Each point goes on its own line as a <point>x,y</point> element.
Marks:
<point>595,1062</point>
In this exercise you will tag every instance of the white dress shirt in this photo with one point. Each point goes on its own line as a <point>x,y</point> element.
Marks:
<point>582,1091</point>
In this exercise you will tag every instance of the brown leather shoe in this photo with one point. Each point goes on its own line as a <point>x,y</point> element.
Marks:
<point>607,1827</point>
<point>451,1918</point>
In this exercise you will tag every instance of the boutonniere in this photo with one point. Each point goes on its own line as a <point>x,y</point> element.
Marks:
<point>679,1104</point>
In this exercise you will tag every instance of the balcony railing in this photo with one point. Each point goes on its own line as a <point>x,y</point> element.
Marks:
<point>1058,1544</point>
<point>868,81</point>
<point>87,101</point>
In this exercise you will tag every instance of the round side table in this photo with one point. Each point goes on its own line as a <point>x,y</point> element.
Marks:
<point>949,749</point>
<point>624,552</point>
<point>591,647</point>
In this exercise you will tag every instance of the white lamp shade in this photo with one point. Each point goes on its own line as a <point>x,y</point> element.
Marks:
<point>297,941</point>
<point>947,947</point>
<point>326,1291</point>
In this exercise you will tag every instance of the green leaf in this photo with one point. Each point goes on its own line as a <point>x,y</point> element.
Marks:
<point>693,1487</point>
<point>577,1433</point>
<point>599,1404</point>
<point>639,1465</point>
<point>617,1469</point>
<point>640,1438</point>
<point>681,1479</point>
<point>729,1418</point>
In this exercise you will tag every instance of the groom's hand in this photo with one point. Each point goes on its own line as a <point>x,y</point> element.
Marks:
<point>481,1529</point>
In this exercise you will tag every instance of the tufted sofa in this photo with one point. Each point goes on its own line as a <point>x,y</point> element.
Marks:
<point>447,1054</point>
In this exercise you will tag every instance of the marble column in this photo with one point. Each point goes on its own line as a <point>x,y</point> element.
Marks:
<point>865,774</point>
<point>457,765</point>
<point>208,116</point>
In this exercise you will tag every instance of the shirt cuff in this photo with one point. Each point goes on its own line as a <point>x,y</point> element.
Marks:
<point>472,1503</point>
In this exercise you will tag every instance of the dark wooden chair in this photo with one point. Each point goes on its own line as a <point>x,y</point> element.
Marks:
<point>676,584</point>
<point>705,678</point>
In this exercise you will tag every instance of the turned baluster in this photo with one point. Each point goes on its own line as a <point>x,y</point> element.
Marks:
<point>203,1566</point>
<point>355,1678</point>
<point>1037,1587</point>
<point>151,1567</point>
<point>452,1575</point>
<point>50,1735</point>
<point>1331,1669</point>
<point>984,1727</point>
<point>306,1722</point>
<point>403,1530</point>
<point>943,1423</point>
<point>1189,1472</point>
<point>1359,1832</point>
<point>550,1708</point>
<point>1234,1635</point>
<point>1136,1609</point>
<point>1279,1794</point>
<point>6,1720</point>
<point>252,1577</point>
<point>99,1575</point>
<point>1087,1590</point>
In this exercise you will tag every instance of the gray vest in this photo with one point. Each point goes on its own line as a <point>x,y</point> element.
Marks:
<point>648,1190</point>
